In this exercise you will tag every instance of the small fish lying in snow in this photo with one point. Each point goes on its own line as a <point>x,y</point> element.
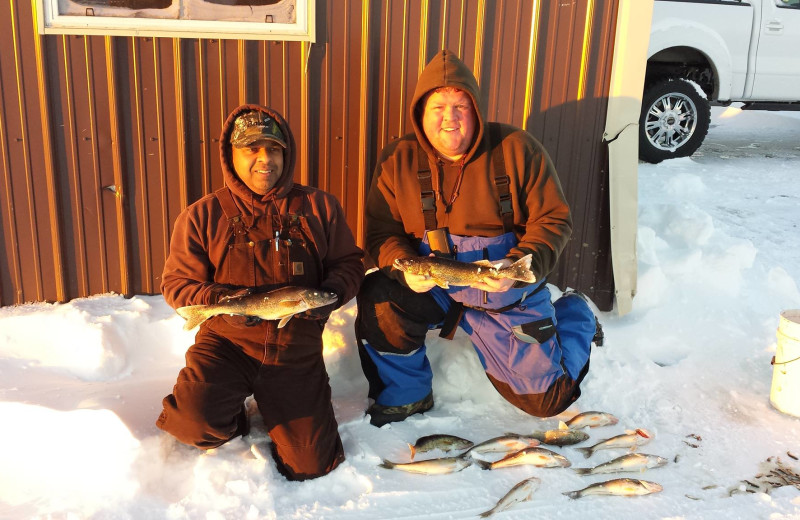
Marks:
<point>446,272</point>
<point>623,487</point>
<point>431,466</point>
<point>280,304</point>
<point>592,420</point>
<point>563,436</point>
<point>629,440</point>
<point>520,493</point>
<point>439,441</point>
<point>535,456</point>
<point>508,443</point>
<point>629,462</point>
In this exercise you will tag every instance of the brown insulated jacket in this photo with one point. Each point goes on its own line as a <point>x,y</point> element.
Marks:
<point>202,234</point>
<point>394,218</point>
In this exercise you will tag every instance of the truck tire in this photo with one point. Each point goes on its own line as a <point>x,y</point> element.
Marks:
<point>674,120</point>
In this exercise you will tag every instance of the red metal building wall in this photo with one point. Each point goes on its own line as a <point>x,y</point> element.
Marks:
<point>103,140</point>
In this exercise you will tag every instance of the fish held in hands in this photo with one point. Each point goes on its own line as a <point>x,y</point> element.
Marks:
<point>622,487</point>
<point>630,462</point>
<point>521,492</point>
<point>628,440</point>
<point>280,304</point>
<point>442,442</point>
<point>446,272</point>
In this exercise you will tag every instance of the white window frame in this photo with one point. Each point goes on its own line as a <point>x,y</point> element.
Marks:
<point>51,21</point>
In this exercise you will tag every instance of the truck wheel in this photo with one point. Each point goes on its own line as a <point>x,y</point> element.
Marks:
<point>674,120</point>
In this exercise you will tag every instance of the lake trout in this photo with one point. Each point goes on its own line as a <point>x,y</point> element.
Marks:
<point>446,272</point>
<point>520,493</point>
<point>535,456</point>
<point>623,487</point>
<point>280,304</point>
<point>630,440</point>
<point>629,462</point>
<point>430,466</point>
<point>439,441</point>
<point>592,420</point>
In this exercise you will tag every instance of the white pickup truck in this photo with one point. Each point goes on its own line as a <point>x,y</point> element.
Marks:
<point>705,52</point>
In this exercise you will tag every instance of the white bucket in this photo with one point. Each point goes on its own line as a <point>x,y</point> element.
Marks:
<point>785,393</point>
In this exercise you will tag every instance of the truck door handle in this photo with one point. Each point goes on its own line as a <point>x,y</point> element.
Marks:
<point>774,26</point>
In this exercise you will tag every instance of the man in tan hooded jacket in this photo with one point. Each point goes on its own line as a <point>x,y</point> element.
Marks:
<point>469,190</point>
<point>260,232</point>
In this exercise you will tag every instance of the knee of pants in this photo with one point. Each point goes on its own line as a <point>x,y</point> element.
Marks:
<point>555,400</point>
<point>198,422</point>
<point>307,462</point>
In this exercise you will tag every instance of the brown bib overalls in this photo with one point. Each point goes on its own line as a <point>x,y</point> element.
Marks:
<point>282,368</point>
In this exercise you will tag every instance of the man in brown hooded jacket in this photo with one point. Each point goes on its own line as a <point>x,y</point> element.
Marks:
<point>470,190</point>
<point>260,232</point>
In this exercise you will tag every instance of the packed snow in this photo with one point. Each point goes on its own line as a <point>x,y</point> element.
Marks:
<point>719,259</point>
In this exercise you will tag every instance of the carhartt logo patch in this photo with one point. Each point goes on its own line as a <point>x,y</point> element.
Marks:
<point>298,269</point>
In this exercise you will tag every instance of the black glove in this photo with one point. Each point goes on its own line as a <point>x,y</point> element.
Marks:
<point>226,293</point>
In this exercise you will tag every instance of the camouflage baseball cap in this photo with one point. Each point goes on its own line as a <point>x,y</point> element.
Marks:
<point>255,126</point>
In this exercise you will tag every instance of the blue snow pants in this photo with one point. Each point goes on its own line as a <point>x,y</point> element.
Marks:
<point>534,352</point>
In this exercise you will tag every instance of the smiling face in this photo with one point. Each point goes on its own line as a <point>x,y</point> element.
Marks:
<point>259,164</point>
<point>449,121</point>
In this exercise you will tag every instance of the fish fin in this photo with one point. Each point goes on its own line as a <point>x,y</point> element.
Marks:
<point>441,283</point>
<point>193,314</point>
<point>413,450</point>
<point>284,321</point>
<point>582,471</point>
<point>521,270</point>
<point>485,263</point>
<point>386,464</point>
<point>562,425</point>
<point>572,494</point>
<point>290,303</point>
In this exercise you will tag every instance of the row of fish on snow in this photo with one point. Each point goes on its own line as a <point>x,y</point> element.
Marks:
<point>519,450</point>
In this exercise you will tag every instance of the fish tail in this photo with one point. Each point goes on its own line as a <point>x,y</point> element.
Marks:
<point>587,452</point>
<point>483,464</point>
<point>582,471</point>
<point>572,494</point>
<point>387,464</point>
<point>193,314</point>
<point>521,270</point>
<point>487,514</point>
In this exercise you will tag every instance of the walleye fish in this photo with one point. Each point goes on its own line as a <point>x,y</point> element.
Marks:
<point>563,436</point>
<point>439,441</point>
<point>622,487</point>
<point>520,493</point>
<point>280,304</point>
<point>629,462</point>
<point>508,443</point>
<point>630,440</point>
<point>446,272</point>
<point>592,420</point>
<point>430,466</point>
<point>535,456</point>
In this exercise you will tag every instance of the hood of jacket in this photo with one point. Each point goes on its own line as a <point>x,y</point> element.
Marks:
<point>232,180</point>
<point>446,70</point>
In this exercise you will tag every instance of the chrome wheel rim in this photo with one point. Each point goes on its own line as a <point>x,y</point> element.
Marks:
<point>671,121</point>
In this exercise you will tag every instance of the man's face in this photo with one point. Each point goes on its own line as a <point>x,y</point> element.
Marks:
<point>449,122</point>
<point>259,165</point>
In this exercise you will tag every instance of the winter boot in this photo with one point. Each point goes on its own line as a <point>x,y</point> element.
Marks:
<point>380,415</point>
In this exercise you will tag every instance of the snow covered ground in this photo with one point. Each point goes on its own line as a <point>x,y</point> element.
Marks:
<point>719,259</point>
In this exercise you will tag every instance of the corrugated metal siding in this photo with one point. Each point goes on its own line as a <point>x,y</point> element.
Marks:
<point>103,140</point>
